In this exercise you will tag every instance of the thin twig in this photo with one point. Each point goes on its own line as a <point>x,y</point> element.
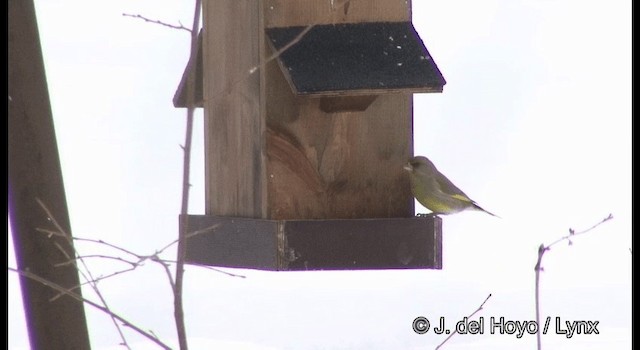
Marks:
<point>91,303</point>
<point>187,236</point>
<point>538,268</point>
<point>90,240</point>
<point>86,273</point>
<point>263,63</point>
<point>155,21</point>
<point>72,261</point>
<point>165,266</point>
<point>186,168</point>
<point>282,49</point>
<point>104,277</point>
<point>573,233</point>
<point>456,330</point>
<point>141,258</point>
<point>214,269</point>
<point>93,281</point>
<point>541,251</point>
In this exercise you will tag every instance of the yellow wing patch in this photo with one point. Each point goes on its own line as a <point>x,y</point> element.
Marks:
<point>462,198</point>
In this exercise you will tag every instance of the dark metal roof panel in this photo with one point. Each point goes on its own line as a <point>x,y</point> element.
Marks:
<point>356,57</point>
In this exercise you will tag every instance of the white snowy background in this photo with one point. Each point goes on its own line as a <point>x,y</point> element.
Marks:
<point>534,124</point>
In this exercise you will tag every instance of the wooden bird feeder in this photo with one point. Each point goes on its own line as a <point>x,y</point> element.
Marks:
<point>308,123</point>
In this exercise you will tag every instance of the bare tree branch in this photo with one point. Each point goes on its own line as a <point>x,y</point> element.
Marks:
<point>97,241</point>
<point>186,168</point>
<point>216,270</point>
<point>188,235</point>
<point>72,261</point>
<point>334,7</point>
<point>456,331</point>
<point>155,21</point>
<point>538,268</point>
<point>283,49</point>
<point>100,278</point>
<point>91,303</point>
<point>85,272</point>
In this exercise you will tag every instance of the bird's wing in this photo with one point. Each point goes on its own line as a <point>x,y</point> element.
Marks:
<point>446,186</point>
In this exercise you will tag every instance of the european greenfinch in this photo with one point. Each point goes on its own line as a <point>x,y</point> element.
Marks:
<point>435,191</point>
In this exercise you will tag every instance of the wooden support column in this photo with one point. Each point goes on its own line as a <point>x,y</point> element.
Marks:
<point>34,173</point>
<point>234,104</point>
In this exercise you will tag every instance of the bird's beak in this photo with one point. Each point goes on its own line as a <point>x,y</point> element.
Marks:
<point>407,167</point>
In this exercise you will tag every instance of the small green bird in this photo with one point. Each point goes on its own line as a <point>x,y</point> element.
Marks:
<point>435,191</point>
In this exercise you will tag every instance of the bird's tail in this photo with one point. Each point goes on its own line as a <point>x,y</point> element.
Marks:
<point>477,207</point>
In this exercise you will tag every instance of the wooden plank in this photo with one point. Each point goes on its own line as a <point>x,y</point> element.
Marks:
<point>179,97</point>
<point>298,245</point>
<point>34,173</point>
<point>234,108</point>
<point>357,103</point>
<point>287,13</point>
<point>369,92</point>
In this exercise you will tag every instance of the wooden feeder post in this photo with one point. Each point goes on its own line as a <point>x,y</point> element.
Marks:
<point>308,123</point>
